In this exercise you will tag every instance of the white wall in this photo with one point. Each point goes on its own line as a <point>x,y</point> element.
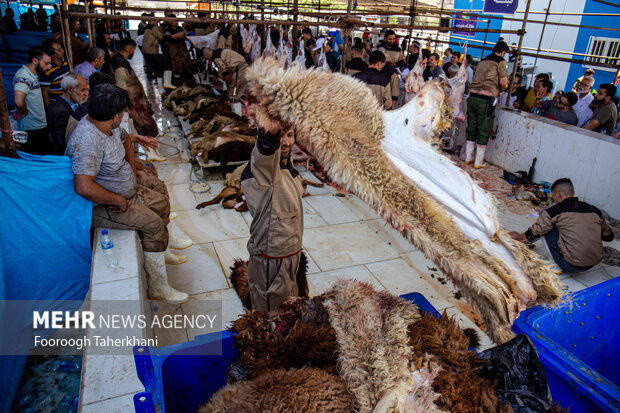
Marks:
<point>591,160</point>
<point>555,37</point>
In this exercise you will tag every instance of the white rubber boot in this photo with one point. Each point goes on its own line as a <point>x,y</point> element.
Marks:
<point>153,155</point>
<point>157,279</point>
<point>176,241</point>
<point>205,79</point>
<point>197,79</point>
<point>168,80</point>
<point>174,259</point>
<point>480,150</point>
<point>160,86</point>
<point>470,149</point>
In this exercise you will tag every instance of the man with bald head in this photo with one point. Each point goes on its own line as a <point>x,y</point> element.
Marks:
<point>74,93</point>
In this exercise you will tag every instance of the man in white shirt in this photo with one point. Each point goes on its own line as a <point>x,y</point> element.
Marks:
<point>582,107</point>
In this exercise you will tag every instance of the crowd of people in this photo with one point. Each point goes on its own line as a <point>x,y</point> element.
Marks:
<point>79,114</point>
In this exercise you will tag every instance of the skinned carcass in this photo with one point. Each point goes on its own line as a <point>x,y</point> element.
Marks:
<point>388,160</point>
<point>415,79</point>
<point>457,90</point>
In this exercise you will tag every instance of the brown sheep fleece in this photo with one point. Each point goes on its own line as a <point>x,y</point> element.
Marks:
<point>297,335</point>
<point>462,389</point>
<point>239,280</point>
<point>303,390</point>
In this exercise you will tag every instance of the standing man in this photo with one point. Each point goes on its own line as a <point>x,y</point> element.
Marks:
<point>8,21</point>
<point>50,81</point>
<point>378,83</point>
<point>433,70</point>
<point>159,63</point>
<point>94,58</point>
<point>179,55</point>
<point>574,231</point>
<point>394,59</point>
<point>29,107</point>
<point>585,98</point>
<point>126,79</point>
<point>356,64</point>
<point>414,51</point>
<point>232,66</point>
<point>561,108</point>
<point>74,93</point>
<point>309,44</point>
<point>332,57</point>
<point>530,98</point>
<point>490,77</point>
<point>605,112</point>
<point>41,17</point>
<point>273,193</point>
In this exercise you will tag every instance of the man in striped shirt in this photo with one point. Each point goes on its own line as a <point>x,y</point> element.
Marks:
<point>50,81</point>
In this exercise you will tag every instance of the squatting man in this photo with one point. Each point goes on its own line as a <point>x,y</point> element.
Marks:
<point>573,230</point>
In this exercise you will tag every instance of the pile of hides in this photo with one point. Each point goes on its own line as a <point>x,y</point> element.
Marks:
<point>239,279</point>
<point>389,357</point>
<point>222,136</point>
<point>217,133</point>
<point>389,161</point>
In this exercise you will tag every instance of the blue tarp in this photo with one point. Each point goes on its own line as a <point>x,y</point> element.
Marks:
<point>45,251</point>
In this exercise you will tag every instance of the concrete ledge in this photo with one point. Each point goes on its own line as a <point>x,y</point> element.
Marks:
<point>589,159</point>
<point>109,381</point>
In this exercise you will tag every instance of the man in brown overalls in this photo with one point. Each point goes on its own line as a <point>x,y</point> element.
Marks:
<point>273,193</point>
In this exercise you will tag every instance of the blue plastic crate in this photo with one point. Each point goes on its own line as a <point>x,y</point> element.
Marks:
<point>180,377</point>
<point>578,344</point>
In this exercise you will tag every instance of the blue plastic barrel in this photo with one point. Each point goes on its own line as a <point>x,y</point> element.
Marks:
<point>578,343</point>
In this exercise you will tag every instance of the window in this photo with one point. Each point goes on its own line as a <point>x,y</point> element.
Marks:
<point>604,46</point>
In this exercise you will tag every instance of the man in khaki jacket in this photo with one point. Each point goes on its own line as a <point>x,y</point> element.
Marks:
<point>159,63</point>
<point>273,193</point>
<point>232,67</point>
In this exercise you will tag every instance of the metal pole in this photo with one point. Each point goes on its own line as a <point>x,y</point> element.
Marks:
<point>437,35</point>
<point>66,33</point>
<point>347,32</point>
<point>317,20</point>
<point>89,28</point>
<point>7,144</point>
<point>484,45</point>
<point>521,36</point>
<point>542,33</point>
<point>294,29</point>
<point>412,8</point>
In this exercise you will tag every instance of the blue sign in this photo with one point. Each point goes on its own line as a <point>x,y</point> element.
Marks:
<point>465,22</point>
<point>501,6</point>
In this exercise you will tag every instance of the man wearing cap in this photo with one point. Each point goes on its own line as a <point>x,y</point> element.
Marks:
<point>490,77</point>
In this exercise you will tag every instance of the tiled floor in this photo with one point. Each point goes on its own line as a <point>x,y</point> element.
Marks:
<point>343,237</point>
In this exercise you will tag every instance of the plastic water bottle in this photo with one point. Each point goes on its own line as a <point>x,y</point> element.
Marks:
<point>70,366</point>
<point>108,249</point>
